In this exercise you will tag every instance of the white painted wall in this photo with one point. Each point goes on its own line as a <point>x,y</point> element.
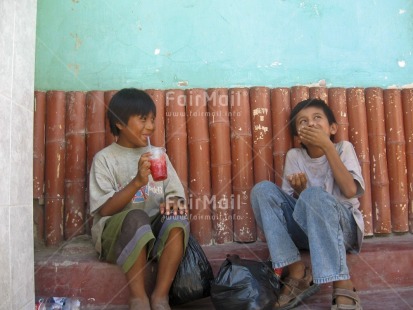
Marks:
<point>17,57</point>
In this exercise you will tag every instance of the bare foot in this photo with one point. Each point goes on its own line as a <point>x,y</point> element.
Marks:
<point>139,304</point>
<point>160,303</point>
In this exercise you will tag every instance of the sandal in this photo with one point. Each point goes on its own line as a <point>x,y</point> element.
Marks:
<point>299,290</point>
<point>349,294</point>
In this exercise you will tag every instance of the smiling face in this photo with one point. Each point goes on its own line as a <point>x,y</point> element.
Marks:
<point>136,132</point>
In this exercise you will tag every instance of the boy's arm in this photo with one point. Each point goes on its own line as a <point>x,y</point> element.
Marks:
<point>342,176</point>
<point>121,198</point>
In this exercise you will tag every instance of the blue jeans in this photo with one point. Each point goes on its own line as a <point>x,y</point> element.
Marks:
<point>315,221</point>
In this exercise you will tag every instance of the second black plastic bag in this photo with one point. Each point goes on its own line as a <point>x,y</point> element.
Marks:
<point>243,284</point>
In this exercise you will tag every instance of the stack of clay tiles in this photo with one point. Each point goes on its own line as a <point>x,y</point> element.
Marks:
<point>221,142</point>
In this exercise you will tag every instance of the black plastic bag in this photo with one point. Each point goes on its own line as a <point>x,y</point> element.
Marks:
<point>244,284</point>
<point>194,276</point>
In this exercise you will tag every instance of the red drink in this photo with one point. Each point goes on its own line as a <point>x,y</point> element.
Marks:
<point>158,164</point>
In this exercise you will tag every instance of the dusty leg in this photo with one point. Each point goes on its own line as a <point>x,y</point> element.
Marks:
<point>167,267</point>
<point>136,280</point>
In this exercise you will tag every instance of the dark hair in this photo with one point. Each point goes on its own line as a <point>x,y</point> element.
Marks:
<point>128,102</point>
<point>317,103</point>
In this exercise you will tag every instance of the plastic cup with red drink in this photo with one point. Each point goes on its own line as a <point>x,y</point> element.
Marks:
<point>158,163</point>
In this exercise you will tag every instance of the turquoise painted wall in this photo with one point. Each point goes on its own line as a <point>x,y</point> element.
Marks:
<point>110,44</point>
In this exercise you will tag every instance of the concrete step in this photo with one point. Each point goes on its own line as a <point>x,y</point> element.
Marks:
<point>384,261</point>
<point>382,271</point>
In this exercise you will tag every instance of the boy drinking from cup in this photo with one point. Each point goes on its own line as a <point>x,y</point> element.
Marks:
<point>132,220</point>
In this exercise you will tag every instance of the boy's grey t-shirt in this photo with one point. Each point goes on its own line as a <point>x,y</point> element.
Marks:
<point>318,173</point>
<point>112,169</point>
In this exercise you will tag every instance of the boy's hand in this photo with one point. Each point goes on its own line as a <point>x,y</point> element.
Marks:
<point>298,182</point>
<point>173,205</point>
<point>144,171</point>
<point>310,135</point>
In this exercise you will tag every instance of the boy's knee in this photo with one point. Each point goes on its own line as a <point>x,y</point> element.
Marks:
<point>262,188</point>
<point>176,236</point>
<point>313,199</point>
<point>312,193</point>
<point>133,220</point>
<point>176,231</point>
